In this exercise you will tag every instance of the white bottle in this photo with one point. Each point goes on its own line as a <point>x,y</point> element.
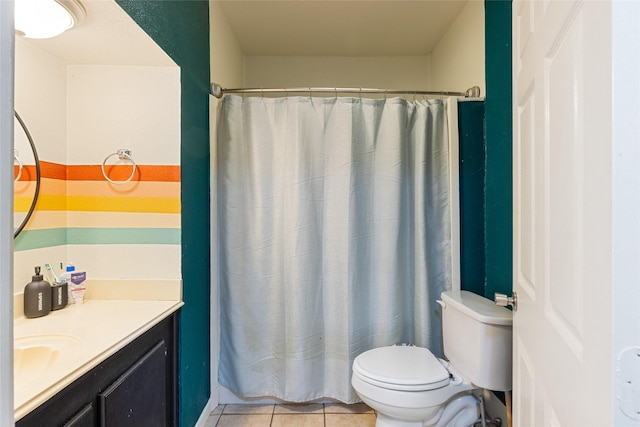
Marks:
<point>66,276</point>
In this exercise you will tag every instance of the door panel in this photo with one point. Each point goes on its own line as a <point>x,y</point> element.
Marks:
<point>562,213</point>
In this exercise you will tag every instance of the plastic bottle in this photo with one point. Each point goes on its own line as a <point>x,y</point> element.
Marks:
<point>37,296</point>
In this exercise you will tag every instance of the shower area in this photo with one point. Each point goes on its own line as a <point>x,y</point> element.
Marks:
<point>334,206</point>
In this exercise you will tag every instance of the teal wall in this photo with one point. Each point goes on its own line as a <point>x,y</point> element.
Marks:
<point>498,135</point>
<point>181,28</point>
<point>472,196</point>
<point>485,166</point>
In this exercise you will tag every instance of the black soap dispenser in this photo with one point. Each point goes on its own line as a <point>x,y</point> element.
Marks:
<point>37,296</point>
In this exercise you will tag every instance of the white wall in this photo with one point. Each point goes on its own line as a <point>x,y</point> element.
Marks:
<point>227,67</point>
<point>457,62</point>
<point>41,99</point>
<point>134,107</point>
<point>226,56</point>
<point>626,195</point>
<point>399,72</point>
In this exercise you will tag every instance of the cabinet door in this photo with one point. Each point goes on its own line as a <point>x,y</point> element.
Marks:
<point>138,397</point>
<point>85,418</point>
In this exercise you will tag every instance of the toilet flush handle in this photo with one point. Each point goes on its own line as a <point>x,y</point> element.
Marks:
<point>503,300</point>
<point>442,304</point>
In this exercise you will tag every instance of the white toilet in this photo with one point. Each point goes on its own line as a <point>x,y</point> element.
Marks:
<point>409,387</point>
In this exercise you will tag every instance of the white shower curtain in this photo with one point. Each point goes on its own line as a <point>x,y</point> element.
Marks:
<point>334,233</point>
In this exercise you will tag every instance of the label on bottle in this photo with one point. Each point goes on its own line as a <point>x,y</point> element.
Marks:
<point>78,277</point>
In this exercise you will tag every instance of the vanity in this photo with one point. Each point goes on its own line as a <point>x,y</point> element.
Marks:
<point>108,362</point>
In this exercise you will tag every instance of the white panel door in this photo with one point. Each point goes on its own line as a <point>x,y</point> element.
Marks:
<point>562,213</point>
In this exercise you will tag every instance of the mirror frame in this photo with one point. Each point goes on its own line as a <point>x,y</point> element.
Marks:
<point>17,231</point>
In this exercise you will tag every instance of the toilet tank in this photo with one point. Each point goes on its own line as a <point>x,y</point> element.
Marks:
<point>478,339</point>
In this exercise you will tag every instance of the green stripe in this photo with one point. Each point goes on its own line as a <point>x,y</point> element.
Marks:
<point>127,236</point>
<point>35,239</point>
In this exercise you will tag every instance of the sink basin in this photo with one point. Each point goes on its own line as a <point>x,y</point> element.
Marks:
<point>33,355</point>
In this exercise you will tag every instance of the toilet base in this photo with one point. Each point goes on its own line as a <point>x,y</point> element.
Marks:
<point>385,421</point>
<point>462,411</point>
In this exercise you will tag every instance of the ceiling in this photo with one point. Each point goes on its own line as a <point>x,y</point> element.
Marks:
<point>108,36</point>
<point>339,27</point>
<point>270,28</point>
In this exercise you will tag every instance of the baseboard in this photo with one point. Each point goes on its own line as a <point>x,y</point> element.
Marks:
<point>206,411</point>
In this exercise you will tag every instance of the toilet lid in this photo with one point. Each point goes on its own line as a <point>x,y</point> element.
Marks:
<point>401,368</point>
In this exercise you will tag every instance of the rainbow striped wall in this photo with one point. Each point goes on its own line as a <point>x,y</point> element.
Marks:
<point>78,206</point>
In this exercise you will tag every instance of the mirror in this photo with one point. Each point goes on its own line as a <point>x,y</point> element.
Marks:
<point>26,172</point>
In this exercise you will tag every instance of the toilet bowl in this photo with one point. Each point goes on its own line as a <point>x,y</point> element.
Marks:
<point>409,387</point>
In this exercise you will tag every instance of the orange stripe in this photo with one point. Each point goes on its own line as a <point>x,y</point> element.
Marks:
<point>53,170</point>
<point>28,173</point>
<point>163,173</point>
<point>47,170</point>
<point>158,173</point>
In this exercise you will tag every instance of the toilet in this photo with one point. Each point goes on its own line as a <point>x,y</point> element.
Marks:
<point>408,386</point>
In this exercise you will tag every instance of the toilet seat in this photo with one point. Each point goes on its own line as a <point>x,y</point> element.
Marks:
<point>402,368</point>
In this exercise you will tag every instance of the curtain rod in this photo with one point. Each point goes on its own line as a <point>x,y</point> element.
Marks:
<point>218,91</point>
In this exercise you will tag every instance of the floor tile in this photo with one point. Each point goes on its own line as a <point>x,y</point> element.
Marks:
<point>298,420</point>
<point>299,408</point>
<point>244,421</point>
<point>212,421</point>
<point>242,409</point>
<point>217,410</point>
<point>341,408</point>
<point>349,420</point>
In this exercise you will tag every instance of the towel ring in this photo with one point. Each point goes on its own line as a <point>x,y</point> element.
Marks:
<point>17,159</point>
<point>123,154</point>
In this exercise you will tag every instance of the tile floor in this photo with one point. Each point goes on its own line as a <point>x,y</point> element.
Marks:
<point>294,415</point>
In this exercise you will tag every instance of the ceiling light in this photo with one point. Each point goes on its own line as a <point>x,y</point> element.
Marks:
<point>41,19</point>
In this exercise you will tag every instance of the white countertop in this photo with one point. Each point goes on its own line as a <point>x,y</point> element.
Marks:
<point>93,331</point>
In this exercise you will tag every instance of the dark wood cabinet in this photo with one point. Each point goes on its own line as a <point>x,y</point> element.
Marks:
<point>138,398</point>
<point>84,418</point>
<point>134,387</point>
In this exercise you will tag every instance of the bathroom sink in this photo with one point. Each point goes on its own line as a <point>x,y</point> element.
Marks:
<point>33,355</point>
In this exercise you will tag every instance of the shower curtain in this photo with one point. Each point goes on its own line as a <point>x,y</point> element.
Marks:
<point>334,238</point>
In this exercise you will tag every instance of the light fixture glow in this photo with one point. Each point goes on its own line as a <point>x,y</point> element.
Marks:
<point>41,19</point>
